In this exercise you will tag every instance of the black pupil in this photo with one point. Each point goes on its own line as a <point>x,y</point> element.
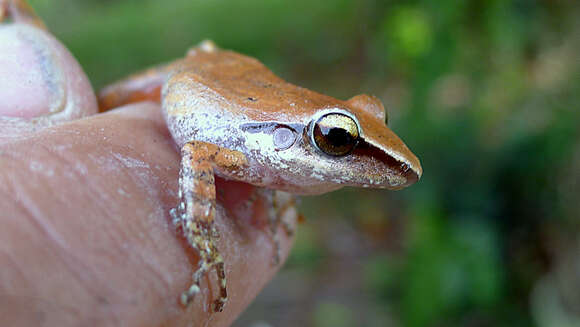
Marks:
<point>335,134</point>
<point>337,137</point>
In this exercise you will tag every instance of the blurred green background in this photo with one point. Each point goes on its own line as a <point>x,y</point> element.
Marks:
<point>485,92</point>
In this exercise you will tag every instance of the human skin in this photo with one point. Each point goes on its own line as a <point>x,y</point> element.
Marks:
<point>85,236</point>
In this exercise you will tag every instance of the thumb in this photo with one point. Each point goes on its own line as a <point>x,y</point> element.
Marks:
<point>41,84</point>
<point>86,230</point>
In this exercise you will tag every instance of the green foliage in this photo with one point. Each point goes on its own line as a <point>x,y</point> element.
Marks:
<point>329,314</point>
<point>451,268</point>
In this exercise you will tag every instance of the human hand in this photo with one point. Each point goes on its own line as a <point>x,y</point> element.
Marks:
<point>85,234</point>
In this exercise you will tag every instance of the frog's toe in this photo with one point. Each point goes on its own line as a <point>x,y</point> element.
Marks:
<point>19,11</point>
<point>218,305</point>
<point>187,296</point>
<point>204,46</point>
<point>208,46</point>
<point>175,217</point>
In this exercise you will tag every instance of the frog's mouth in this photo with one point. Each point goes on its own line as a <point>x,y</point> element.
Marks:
<point>400,172</point>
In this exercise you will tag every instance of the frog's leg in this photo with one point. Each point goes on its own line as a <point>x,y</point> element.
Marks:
<point>283,206</point>
<point>142,86</point>
<point>196,209</point>
<point>279,203</point>
<point>19,11</point>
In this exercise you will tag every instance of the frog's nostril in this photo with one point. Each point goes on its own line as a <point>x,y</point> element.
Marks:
<point>404,167</point>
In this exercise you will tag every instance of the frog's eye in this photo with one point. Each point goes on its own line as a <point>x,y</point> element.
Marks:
<point>335,134</point>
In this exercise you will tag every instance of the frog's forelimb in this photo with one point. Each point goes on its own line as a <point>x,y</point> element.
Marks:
<point>196,210</point>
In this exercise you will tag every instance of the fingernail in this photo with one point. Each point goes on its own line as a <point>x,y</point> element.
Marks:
<point>32,79</point>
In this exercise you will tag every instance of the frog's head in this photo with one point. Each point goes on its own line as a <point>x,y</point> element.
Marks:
<point>346,143</point>
<point>355,145</point>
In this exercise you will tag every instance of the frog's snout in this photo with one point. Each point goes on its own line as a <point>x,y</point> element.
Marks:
<point>388,169</point>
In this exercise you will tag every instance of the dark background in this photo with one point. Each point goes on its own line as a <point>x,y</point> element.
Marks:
<point>485,92</point>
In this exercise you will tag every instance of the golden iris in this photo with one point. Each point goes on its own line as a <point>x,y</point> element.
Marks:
<point>335,134</point>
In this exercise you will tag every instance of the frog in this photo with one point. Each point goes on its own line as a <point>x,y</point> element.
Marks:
<point>232,117</point>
